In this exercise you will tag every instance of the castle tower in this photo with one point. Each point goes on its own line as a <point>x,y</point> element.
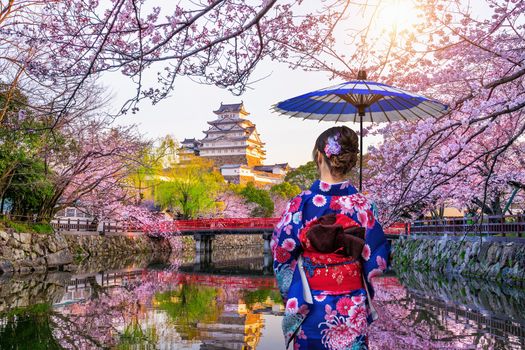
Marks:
<point>232,138</point>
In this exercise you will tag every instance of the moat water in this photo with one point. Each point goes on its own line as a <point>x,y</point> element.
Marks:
<point>229,301</point>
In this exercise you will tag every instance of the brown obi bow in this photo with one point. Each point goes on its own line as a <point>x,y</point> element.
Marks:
<point>327,235</point>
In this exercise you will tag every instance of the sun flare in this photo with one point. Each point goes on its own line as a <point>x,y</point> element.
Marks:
<point>397,14</point>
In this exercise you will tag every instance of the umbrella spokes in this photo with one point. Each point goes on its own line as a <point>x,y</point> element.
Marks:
<point>359,100</point>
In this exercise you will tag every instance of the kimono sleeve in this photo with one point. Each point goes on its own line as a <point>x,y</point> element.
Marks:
<point>285,245</point>
<point>375,251</point>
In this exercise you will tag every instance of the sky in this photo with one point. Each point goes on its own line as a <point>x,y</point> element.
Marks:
<point>185,113</point>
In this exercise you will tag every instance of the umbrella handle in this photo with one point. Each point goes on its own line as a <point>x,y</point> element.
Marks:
<point>361,155</point>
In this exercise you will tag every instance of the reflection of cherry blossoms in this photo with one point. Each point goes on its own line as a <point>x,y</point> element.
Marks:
<point>403,324</point>
<point>97,323</point>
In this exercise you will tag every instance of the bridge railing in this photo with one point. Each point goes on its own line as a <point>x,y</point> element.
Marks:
<point>87,225</point>
<point>502,225</point>
<point>217,224</point>
<point>398,228</point>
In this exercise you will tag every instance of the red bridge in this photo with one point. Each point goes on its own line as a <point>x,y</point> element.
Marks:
<point>200,226</point>
<point>203,230</point>
<point>255,225</point>
<point>238,225</point>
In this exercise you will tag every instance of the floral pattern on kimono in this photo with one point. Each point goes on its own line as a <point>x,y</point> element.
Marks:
<point>335,322</point>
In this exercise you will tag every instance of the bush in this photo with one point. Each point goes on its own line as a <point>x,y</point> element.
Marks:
<point>27,227</point>
<point>285,190</point>
<point>42,228</point>
<point>260,197</point>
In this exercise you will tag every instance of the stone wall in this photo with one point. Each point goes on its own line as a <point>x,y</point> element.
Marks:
<point>228,242</point>
<point>113,245</point>
<point>489,259</point>
<point>37,288</point>
<point>220,160</point>
<point>27,253</point>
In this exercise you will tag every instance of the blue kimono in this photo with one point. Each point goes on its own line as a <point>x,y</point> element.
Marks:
<point>336,318</point>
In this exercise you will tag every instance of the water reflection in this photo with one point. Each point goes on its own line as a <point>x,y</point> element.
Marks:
<point>229,302</point>
<point>428,311</point>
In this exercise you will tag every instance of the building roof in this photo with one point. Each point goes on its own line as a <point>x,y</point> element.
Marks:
<point>234,166</point>
<point>231,108</point>
<point>210,138</point>
<point>270,167</point>
<point>282,165</point>
<point>230,122</point>
<point>190,142</point>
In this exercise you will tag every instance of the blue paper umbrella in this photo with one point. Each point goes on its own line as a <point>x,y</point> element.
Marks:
<point>361,101</point>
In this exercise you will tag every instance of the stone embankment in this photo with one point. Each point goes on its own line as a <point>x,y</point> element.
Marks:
<point>500,261</point>
<point>50,287</point>
<point>225,241</point>
<point>27,252</point>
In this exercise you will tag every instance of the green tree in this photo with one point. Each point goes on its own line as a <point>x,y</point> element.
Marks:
<point>25,179</point>
<point>190,188</point>
<point>28,188</point>
<point>285,190</point>
<point>303,176</point>
<point>258,196</point>
<point>147,174</point>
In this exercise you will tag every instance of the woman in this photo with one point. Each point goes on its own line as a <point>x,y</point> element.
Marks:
<point>327,247</point>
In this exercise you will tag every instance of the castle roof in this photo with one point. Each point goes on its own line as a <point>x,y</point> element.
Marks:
<point>231,108</point>
<point>229,120</point>
<point>246,137</point>
<point>270,167</point>
<point>191,141</point>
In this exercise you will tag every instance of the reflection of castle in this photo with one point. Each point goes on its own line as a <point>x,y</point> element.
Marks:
<point>234,144</point>
<point>235,329</point>
<point>239,326</point>
<point>213,317</point>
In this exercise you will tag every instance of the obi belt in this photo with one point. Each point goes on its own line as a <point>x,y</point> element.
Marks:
<point>332,246</point>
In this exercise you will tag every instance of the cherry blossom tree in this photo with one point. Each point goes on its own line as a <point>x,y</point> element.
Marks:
<point>233,205</point>
<point>470,57</point>
<point>216,42</point>
<point>92,169</point>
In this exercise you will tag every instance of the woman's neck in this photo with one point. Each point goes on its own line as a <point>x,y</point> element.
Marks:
<point>328,178</point>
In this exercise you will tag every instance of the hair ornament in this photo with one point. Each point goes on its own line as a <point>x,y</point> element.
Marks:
<point>332,147</point>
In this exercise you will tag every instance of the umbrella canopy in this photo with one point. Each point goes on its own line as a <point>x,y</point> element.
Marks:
<point>361,101</point>
<point>380,103</point>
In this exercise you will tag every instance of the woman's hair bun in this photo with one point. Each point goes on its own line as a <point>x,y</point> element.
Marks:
<point>339,146</point>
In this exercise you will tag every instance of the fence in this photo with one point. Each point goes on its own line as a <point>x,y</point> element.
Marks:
<point>87,225</point>
<point>22,218</point>
<point>398,228</point>
<point>503,225</point>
